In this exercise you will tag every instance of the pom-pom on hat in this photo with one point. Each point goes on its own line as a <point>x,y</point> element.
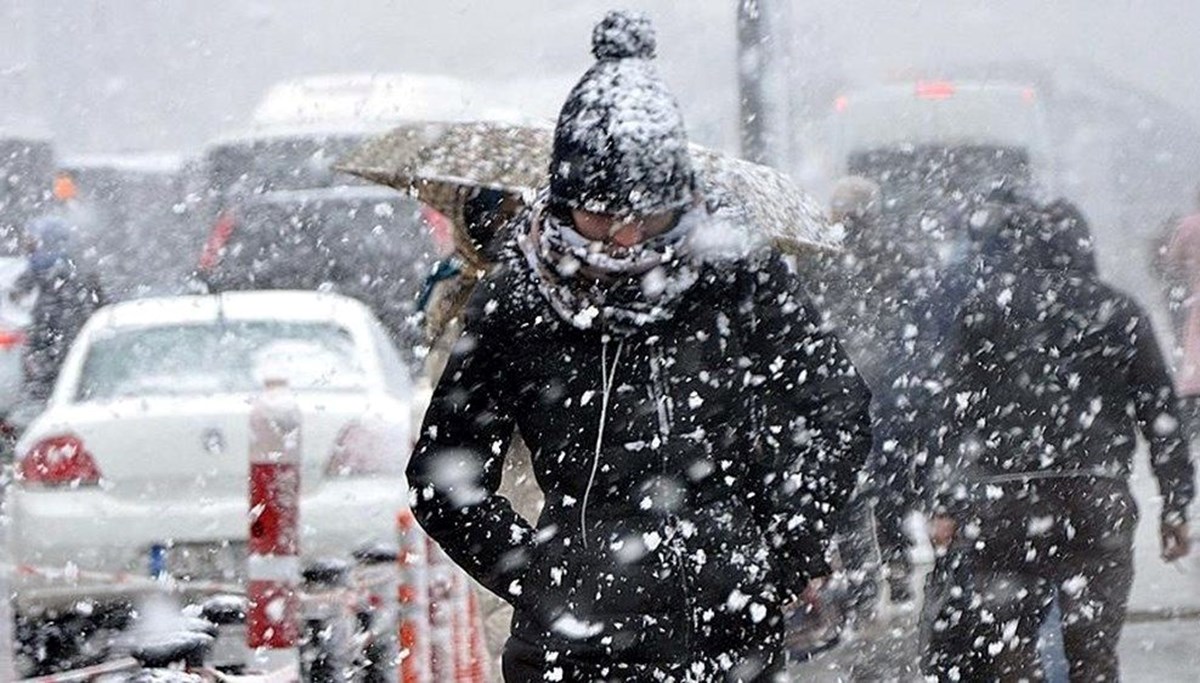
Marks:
<point>622,35</point>
<point>620,147</point>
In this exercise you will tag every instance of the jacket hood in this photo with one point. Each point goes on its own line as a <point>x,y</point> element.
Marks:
<point>1054,237</point>
<point>1068,244</point>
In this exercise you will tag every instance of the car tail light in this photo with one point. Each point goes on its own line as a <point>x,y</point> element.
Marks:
<point>841,103</point>
<point>59,461</point>
<point>11,339</point>
<point>362,450</point>
<point>935,90</point>
<point>218,237</point>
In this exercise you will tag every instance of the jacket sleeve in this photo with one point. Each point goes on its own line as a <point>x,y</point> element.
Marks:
<point>457,464</point>
<point>1156,408</point>
<point>814,424</point>
<point>940,469</point>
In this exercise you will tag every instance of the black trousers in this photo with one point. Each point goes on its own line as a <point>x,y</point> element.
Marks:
<point>523,664</point>
<point>980,622</point>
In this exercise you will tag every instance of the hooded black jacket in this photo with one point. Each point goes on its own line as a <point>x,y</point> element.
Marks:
<point>66,298</point>
<point>684,503</point>
<point>1055,376</point>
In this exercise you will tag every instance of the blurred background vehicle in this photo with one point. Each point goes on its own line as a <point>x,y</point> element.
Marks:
<point>381,99</point>
<point>131,219</point>
<point>935,149</point>
<point>930,144</point>
<point>26,168</point>
<point>279,217</point>
<point>144,441</point>
<point>369,243</point>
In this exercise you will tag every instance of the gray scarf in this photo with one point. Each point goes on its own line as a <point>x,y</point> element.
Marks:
<point>616,290</point>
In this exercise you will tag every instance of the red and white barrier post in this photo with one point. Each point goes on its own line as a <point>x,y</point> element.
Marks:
<point>461,623</point>
<point>8,668</point>
<point>441,614</point>
<point>273,620</point>
<point>413,599</point>
<point>470,665</point>
<point>478,671</point>
<point>381,608</point>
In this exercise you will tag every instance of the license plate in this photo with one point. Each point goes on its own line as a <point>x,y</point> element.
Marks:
<point>208,561</point>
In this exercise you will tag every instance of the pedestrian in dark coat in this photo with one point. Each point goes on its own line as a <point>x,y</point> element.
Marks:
<point>863,285</point>
<point>1055,377</point>
<point>66,297</point>
<point>693,425</point>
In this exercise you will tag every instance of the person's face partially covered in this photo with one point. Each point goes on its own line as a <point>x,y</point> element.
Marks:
<point>623,232</point>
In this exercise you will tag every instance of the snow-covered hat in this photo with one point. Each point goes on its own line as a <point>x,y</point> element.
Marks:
<point>620,147</point>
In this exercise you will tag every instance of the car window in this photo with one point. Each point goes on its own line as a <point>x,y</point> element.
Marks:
<point>233,357</point>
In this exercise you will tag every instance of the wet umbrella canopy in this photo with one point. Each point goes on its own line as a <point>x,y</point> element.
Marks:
<point>438,162</point>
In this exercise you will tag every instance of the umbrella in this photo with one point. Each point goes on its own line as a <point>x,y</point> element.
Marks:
<point>766,201</point>
<point>439,162</point>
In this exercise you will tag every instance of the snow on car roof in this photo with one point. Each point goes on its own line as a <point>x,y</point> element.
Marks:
<point>141,162</point>
<point>28,131</point>
<point>294,306</point>
<point>387,98</point>
<point>342,192</point>
<point>318,130</point>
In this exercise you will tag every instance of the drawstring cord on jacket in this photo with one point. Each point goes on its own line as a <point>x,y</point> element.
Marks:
<point>606,383</point>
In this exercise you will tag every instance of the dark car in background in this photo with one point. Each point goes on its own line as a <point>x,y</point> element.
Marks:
<point>26,172</point>
<point>366,242</point>
<point>131,222</point>
<point>930,144</point>
<point>285,158</point>
<point>235,169</point>
<point>276,216</point>
<point>279,217</point>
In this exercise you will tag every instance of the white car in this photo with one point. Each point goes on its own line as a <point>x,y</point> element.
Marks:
<point>143,448</point>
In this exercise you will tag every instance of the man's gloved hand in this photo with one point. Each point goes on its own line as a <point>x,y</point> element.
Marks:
<point>1175,541</point>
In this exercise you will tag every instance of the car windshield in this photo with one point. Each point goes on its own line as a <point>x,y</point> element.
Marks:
<point>204,359</point>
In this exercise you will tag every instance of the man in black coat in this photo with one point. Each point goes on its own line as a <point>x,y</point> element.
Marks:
<point>693,427</point>
<point>67,296</point>
<point>1055,376</point>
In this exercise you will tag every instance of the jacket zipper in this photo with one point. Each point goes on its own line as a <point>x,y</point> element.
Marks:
<point>664,407</point>
<point>665,411</point>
